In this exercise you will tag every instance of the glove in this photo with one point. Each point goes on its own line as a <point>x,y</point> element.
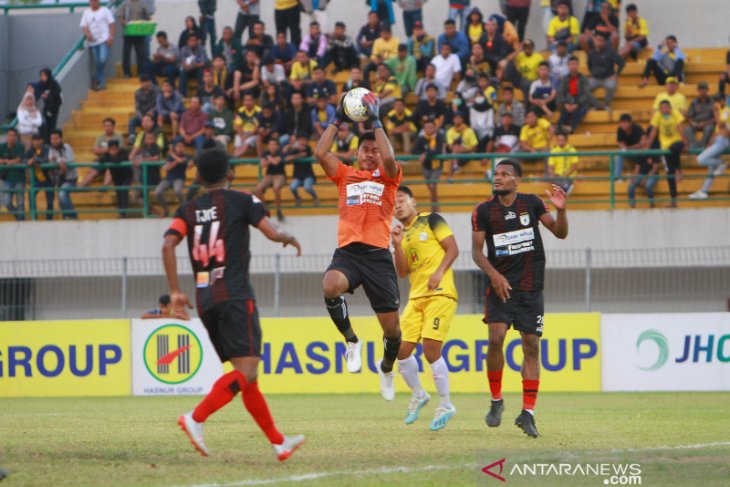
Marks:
<point>340,116</point>
<point>372,102</point>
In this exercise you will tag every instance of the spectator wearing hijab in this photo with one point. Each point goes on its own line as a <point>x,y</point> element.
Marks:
<point>30,119</point>
<point>50,93</point>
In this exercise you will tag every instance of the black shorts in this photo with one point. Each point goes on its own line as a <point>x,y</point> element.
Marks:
<point>234,329</point>
<point>524,311</point>
<point>372,268</point>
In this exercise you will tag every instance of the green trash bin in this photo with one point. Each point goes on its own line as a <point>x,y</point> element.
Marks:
<point>140,28</point>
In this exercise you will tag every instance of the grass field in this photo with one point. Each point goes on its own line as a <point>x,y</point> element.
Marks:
<point>678,439</point>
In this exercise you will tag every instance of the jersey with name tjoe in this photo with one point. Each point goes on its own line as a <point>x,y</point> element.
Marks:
<point>217,229</point>
<point>514,245</point>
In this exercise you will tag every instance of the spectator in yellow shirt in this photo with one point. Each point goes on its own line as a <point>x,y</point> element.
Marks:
<point>668,126</point>
<point>302,71</point>
<point>386,88</point>
<point>345,144</point>
<point>563,168</point>
<point>523,70</point>
<point>384,47</point>
<point>563,27</point>
<point>460,139</point>
<point>400,126</point>
<point>636,33</point>
<point>673,96</point>
<point>536,134</point>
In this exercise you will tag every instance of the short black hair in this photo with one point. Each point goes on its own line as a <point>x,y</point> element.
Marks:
<point>339,23</point>
<point>544,63</point>
<point>212,165</point>
<point>193,34</point>
<point>672,37</point>
<point>13,130</point>
<point>113,143</point>
<point>110,120</point>
<point>573,58</point>
<point>406,190</point>
<point>58,132</point>
<point>665,101</point>
<point>162,33</point>
<point>631,8</point>
<point>365,137</point>
<point>514,164</point>
<point>450,22</point>
<point>164,299</point>
<point>37,136</point>
<point>625,117</point>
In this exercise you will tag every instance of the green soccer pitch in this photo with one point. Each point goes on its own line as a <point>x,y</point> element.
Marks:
<point>676,438</point>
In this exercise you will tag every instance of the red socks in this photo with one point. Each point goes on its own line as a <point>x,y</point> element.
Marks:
<point>495,384</point>
<point>221,394</point>
<point>529,393</point>
<point>257,407</point>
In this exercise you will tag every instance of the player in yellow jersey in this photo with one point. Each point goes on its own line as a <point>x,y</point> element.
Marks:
<point>425,248</point>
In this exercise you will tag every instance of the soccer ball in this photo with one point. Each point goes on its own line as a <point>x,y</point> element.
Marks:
<point>354,106</point>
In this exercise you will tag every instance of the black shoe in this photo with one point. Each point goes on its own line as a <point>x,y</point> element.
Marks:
<point>494,416</point>
<point>526,422</point>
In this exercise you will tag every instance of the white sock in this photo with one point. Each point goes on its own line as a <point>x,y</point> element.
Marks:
<point>408,368</point>
<point>441,379</point>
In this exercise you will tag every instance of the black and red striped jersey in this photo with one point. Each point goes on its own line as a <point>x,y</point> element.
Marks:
<point>514,245</point>
<point>216,225</point>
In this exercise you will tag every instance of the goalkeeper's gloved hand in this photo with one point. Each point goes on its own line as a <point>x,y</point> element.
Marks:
<point>372,103</point>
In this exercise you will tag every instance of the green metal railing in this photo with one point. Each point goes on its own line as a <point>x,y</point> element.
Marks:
<point>144,187</point>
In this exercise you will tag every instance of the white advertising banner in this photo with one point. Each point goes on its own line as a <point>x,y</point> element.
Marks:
<point>666,352</point>
<point>172,357</point>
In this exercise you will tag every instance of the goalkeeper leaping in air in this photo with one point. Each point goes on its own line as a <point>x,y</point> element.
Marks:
<point>366,201</point>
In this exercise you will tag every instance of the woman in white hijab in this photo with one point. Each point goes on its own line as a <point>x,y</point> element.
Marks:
<point>30,119</point>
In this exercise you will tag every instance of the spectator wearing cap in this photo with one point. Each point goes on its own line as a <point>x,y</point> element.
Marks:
<point>558,61</point>
<point>368,34</point>
<point>222,119</point>
<point>229,46</point>
<point>165,61</point>
<point>403,67</point>
<point>563,27</point>
<point>574,97</point>
<point>384,48</point>
<point>629,137</point>
<point>673,96</point>
<point>210,141</point>
<point>457,39</point>
<point>114,164</point>
<point>193,61</point>
<point>429,78</point>
<point>604,65</point>
<point>315,43</point>
<point>448,66</point>
<point>412,13</point>
<point>207,91</point>
<point>523,70</point>
<point>431,108</point>
<point>700,118</point>
<point>341,48</point>
<point>133,11</point>
<point>636,33</point>
<point>421,45</point>
<point>145,101</point>
<point>386,88</point>
<point>667,62</point>
<point>510,105</point>
<point>163,308</point>
<point>430,143</point>
<point>400,125</point>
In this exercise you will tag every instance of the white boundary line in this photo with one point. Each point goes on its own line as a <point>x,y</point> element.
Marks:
<point>428,468</point>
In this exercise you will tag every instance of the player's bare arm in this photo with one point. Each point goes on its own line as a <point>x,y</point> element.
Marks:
<point>276,234</point>
<point>385,148</point>
<point>557,226</point>
<point>498,282</point>
<point>399,256</point>
<point>451,250</point>
<point>179,301</point>
<point>326,159</point>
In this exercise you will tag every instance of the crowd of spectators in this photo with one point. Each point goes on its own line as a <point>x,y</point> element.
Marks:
<point>267,93</point>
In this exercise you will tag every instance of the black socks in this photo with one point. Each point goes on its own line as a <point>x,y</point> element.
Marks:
<point>337,308</point>
<point>390,353</point>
